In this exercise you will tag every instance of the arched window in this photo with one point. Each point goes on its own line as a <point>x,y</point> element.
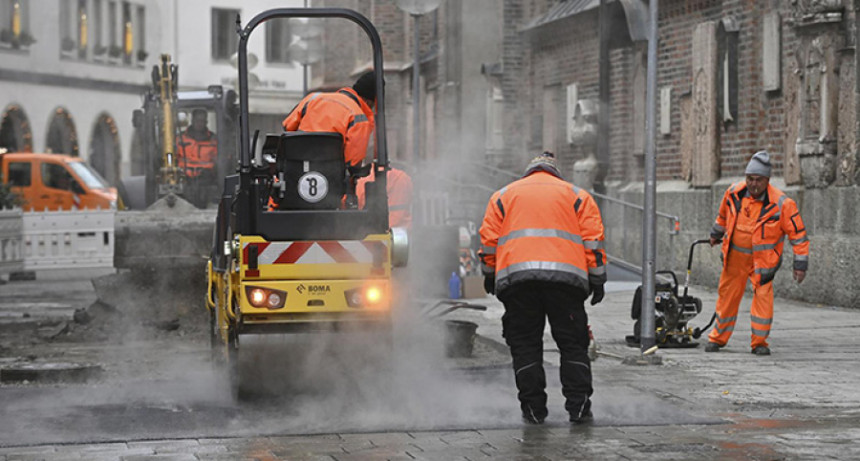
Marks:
<point>62,137</point>
<point>15,134</point>
<point>104,154</point>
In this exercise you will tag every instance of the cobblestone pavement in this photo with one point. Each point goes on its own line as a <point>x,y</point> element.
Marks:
<point>801,402</point>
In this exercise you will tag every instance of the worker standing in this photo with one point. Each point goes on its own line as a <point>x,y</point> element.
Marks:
<point>198,147</point>
<point>753,220</point>
<point>399,191</point>
<point>542,254</point>
<point>348,111</point>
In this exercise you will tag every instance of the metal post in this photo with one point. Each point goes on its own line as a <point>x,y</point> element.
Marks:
<point>304,79</point>
<point>416,118</point>
<point>649,218</point>
<point>603,90</point>
<point>305,69</point>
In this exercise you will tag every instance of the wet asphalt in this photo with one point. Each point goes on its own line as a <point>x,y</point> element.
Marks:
<point>164,398</point>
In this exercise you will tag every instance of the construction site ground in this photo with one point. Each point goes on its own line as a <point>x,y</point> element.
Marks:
<point>109,383</point>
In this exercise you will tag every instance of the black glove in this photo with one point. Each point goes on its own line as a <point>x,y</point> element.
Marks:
<point>596,293</point>
<point>490,284</point>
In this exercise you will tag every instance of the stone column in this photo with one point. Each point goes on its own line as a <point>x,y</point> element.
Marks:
<point>813,94</point>
<point>706,141</point>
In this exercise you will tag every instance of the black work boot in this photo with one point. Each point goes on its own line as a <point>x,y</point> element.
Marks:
<point>533,415</point>
<point>531,418</point>
<point>586,418</point>
<point>761,350</point>
<point>712,347</point>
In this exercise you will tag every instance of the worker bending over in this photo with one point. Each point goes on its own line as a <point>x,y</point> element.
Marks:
<point>753,220</point>
<point>542,254</point>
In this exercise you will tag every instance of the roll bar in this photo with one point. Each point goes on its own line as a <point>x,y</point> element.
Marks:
<point>244,34</point>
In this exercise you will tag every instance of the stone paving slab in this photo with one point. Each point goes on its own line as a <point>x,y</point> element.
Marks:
<point>799,403</point>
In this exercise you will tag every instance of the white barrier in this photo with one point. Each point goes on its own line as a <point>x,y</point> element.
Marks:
<point>11,256</point>
<point>73,239</point>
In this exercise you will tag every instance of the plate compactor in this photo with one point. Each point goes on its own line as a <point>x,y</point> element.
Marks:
<point>673,312</point>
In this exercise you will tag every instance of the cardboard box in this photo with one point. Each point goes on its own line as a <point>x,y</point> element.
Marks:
<point>473,287</point>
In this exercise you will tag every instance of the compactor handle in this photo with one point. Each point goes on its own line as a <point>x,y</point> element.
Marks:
<point>690,262</point>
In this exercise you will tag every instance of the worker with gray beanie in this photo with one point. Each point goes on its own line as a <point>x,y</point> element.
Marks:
<point>753,220</point>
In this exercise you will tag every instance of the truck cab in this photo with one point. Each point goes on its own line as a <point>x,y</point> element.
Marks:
<point>51,182</point>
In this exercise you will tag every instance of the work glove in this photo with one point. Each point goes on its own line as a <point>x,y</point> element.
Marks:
<point>596,293</point>
<point>490,284</point>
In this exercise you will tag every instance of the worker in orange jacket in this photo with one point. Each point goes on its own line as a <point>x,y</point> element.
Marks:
<point>198,147</point>
<point>399,191</point>
<point>753,220</point>
<point>542,254</point>
<point>347,111</point>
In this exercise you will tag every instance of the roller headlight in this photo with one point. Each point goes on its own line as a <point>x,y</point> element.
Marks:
<point>369,296</point>
<point>266,297</point>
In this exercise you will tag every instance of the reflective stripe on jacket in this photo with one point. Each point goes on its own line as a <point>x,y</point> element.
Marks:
<point>778,218</point>
<point>542,228</point>
<point>194,155</point>
<point>341,112</point>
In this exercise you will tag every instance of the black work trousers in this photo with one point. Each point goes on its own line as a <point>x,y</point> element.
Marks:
<point>527,306</point>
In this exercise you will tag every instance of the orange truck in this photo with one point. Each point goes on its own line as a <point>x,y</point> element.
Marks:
<point>50,182</point>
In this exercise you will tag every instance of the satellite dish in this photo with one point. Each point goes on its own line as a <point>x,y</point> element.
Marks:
<point>418,7</point>
<point>306,28</point>
<point>252,60</point>
<point>306,52</point>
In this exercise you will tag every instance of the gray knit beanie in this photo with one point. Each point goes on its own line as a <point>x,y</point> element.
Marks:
<point>759,164</point>
<point>543,162</point>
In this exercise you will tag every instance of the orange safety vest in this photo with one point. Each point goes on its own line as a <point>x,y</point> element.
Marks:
<point>342,112</point>
<point>197,155</point>
<point>778,218</point>
<point>399,190</point>
<point>542,228</point>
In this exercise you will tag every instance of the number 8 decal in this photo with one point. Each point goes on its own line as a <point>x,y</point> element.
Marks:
<point>313,187</point>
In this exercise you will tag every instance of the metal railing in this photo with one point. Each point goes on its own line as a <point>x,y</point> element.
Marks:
<point>674,221</point>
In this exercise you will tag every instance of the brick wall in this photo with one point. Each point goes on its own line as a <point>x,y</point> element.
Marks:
<point>566,51</point>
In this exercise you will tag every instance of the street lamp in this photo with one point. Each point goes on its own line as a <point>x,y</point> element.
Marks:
<point>308,49</point>
<point>416,8</point>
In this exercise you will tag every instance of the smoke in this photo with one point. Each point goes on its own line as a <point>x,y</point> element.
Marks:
<point>369,381</point>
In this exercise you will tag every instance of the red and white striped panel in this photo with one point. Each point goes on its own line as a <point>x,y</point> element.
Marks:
<point>325,252</point>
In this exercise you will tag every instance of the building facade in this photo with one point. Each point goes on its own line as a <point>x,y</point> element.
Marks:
<point>733,77</point>
<point>73,71</point>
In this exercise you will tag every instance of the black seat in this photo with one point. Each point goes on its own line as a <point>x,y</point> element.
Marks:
<point>312,168</point>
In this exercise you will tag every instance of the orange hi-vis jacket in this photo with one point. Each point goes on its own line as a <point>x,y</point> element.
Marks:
<point>542,228</point>
<point>399,190</point>
<point>341,112</point>
<point>778,218</point>
<point>197,155</point>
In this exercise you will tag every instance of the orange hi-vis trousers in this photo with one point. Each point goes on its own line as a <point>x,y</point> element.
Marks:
<point>733,281</point>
